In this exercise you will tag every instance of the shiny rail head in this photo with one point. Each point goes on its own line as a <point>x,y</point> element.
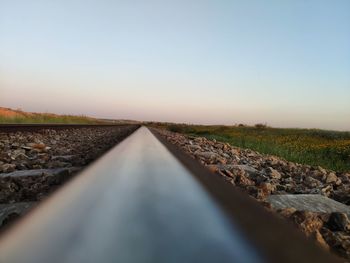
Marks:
<point>136,204</point>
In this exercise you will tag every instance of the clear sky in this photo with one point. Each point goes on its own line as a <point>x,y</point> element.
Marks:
<point>286,63</point>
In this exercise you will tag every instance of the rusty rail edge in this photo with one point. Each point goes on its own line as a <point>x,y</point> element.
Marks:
<point>274,238</point>
<point>7,128</point>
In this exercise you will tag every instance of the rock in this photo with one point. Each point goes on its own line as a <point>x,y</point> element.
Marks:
<point>246,168</point>
<point>8,167</point>
<point>228,173</point>
<point>63,158</point>
<point>39,172</point>
<point>338,222</point>
<point>59,164</point>
<point>322,170</point>
<point>288,180</point>
<point>16,153</point>
<point>281,189</point>
<point>338,182</point>
<point>274,174</point>
<point>206,155</point>
<point>331,178</point>
<point>256,192</point>
<point>308,202</point>
<point>342,194</point>
<point>221,160</point>
<point>213,168</point>
<point>39,146</point>
<point>344,242</point>
<point>286,212</point>
<point>267,188</point>
<point>330,237</point>
<point>338,241</point>
<point>327,190</point>
<point>345,177</point>
<point>273,160</point>
<point>227,178</point>
<point>308,222</point>
<point>15,145</point>
<point>28,148</point>
<point>312,182</point>
<point>242,180</point>
<point>194,147</point>
<point>235,152</point>
<point>259,178</point>
<point>198,140</point>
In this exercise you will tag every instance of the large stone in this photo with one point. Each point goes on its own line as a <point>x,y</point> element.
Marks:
<point>39,172</point>
<point>305,202</point>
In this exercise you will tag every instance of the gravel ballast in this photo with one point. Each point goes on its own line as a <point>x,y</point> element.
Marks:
<point>264,177</point>
<point>34,164</point>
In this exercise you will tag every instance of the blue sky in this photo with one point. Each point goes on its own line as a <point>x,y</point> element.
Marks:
<point>286,63</point>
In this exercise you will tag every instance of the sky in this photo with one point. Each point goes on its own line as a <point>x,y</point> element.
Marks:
<point>284,63</point>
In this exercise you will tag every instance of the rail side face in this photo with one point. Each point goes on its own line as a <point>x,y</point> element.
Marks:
<point>137,203</point>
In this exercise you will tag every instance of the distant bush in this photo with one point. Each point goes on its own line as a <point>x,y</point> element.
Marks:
<point>260,125</point>
<point>220,128</point>
<point>174,128</point>
<point>49,118</point>
<point>241,125</point>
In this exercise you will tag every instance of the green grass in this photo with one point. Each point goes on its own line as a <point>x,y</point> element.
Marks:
<point>47,118</point>
<point>329,149</point>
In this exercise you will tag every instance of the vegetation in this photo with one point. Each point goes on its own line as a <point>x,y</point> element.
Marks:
<point>18,116</point>
<point>329,149</point>
<point>49,119</point>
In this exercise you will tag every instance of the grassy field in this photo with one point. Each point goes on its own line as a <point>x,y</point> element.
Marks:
<point>17,116</point>
<point>49,119</point>
<point>329,149</point>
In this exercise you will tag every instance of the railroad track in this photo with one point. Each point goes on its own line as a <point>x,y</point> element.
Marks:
<point>38,127</point>
<point>147,201</point>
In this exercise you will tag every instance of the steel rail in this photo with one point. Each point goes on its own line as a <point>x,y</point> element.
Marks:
<point>138,203</point>
<point>7,128</point>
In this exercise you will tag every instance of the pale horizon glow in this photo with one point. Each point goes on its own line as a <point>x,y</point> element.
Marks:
<point>284,63</point>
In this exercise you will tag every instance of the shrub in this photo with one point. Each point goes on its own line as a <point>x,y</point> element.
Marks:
<point>260,125</point>
<point>174,128</point>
